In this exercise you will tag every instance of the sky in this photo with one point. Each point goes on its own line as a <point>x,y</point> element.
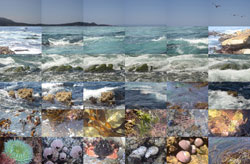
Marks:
<point>223,16</point>
<point>129,12</point>
<point>61,11</point>
<point>104,11</point>
<point>187,12</point>
<point>145,12</point>
<point>28,11</point>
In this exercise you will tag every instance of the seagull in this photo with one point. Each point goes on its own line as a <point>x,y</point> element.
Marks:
<point>216,6</point>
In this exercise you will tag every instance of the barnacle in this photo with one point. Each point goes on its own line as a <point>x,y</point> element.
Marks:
<point>19,151</point>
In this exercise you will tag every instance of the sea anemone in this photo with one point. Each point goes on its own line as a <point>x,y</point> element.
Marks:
<point>19,151</point>
<point>62,156</point>
<point>76,151</point>
<point>47,153</point>
<point>57,144</point>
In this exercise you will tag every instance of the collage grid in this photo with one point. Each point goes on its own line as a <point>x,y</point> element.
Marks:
<point>99,93</point>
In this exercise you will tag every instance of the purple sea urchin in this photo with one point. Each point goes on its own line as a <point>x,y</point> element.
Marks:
<point>19,151</point>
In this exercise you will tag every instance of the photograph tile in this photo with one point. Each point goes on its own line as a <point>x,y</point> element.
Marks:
<point>145,95</point>
<point>20,67</point>
<point>20,123</point>
<point>21,150</point>
<point>224,150</point>
<point>187,123</point>
<point>229,40</point>
<point>104,123</point>
<point>108,150</point>
<point>145,150</point>
<point>228,123</point>
<point>62,150</point>
<point>68,95</point>
<point>229,95</point>
<point>187,150</point>
<point>20,40</point>
<point>20,95</point>
<point>229,68</point>
<point>62,123</point>
<point>183,95</point>
<point>104,95</point>
<point>146,123</point>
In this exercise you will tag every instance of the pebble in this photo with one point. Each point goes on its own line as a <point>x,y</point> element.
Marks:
<point>153,150</point>
<point>198,142</point>
<point>185,144</point>
<point>183,156</point>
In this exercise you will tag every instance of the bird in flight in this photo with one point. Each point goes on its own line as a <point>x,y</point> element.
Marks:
<point>216,5</point>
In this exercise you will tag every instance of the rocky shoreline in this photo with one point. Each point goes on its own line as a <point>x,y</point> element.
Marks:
<point>236,43</point>
<point>6,50</point>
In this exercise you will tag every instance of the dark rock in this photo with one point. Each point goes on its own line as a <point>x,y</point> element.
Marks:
<point>6,50</point>
<point>142,68</point>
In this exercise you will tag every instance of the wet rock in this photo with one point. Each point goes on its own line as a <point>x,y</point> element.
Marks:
<point>100,68</point>
<point>160,159</point>
<point>107,97</point>
<point>233,93</point>
<point>185,144</point>
<point>49,98</point>
<point>26,93</point>
<point>201,105</point>
<point>6,50</point>
<point>12,94</point>
<point>64,68</point>
<point>193,149</point>
<point>139,151</point>
<point>64,97</point>
<point>93,100</point>
<point>198,142</point>
<point>142,68</point>
<point>18,69</point>
<point>183,156</point>
<point>136,155</point>
<point>153,150</point>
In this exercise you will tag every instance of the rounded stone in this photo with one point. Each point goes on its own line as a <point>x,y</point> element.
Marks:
<point>198,142</point>
<point>185,144</point>
<point>183,156</point>
<point>193,149</point>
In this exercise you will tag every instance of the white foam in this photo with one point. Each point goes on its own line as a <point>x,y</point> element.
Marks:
<point>159,39</point>
<point>222,100</point>
<point>195,41</point>
<point>95,92</point>
<point>63,42</point>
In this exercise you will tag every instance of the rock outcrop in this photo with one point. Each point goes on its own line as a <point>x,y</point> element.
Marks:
<point>64,97</point>
<point>12,94</point>
<point>25,93</point>
<point>100,68</point>
<point>6,50</point>
<point>49,98</point>
<point>237,43</point>
<point>107,98</point>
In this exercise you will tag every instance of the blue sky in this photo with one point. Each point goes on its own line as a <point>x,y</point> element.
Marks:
<point>28,11</point>
<point>145,12</point>
<point>224,14</point>
<point>129,12</point>
<point>61,11</point>
<point>104,11</point>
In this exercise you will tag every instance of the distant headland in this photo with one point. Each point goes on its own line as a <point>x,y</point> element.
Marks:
<point>9,22</point>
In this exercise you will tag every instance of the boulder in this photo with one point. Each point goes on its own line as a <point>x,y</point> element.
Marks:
<point>107,97</point>
<point>49,98</point>
<point>6,50</point>
<point>100,68</point>
<point>18,69</point>
<point>233,93</point>
<point>237,41</point>
<point>12,94</point>
<point>142,68</point>
<point>64,97</point>
<point>26,93</point>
